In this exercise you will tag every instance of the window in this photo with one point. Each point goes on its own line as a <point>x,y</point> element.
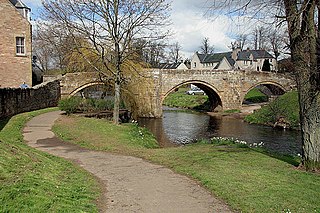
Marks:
<point>195,64</point>
<point>20,46</point>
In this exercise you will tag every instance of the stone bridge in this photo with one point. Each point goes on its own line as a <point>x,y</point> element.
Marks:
<point>224,88</point>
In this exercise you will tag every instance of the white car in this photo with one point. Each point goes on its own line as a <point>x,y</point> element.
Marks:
<point>195,91</point>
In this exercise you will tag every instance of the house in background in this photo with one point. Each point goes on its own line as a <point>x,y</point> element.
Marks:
<point>257,60</point>
<point>15,44</point>
<point>217,61</point>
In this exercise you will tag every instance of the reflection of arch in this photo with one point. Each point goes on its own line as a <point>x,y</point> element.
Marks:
<point>274,87</point>
<point>83,87</point>
<point>210,91</point>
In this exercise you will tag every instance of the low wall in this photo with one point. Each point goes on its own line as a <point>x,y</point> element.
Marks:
<point>16,100</point>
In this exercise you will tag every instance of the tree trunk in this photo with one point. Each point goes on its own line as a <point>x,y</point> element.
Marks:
<point>310,119</point>
<point>304,60</point>
<point>303,41</point>
<point>117,95</point>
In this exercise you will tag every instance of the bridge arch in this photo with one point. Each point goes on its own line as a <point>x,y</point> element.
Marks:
<point>211,92</point>
<point>84,86</point>
<point>275,88</point>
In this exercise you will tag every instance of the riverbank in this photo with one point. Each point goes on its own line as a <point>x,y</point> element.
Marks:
<point>282,112</point>
<point>248,180</point>
<point>246,110</point>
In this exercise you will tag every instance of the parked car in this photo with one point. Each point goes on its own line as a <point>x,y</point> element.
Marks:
<point>195,91</point>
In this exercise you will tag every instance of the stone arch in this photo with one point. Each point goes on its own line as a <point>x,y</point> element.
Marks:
<point>211,92</point>
<point>274,87</point>
<point>129,100</point>
<point>83,87</point>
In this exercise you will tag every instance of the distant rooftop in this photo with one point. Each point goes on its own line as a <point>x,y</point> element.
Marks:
<point>18,4</point>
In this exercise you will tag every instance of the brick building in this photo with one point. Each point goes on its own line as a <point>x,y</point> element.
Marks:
<point>15,44</point>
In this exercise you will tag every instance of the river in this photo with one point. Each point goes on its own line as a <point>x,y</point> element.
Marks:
<point>178,128</point>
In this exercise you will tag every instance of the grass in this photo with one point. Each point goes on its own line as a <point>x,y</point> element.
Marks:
<point>285,106</point>
<point>247,179</point>
<point>181,100</point>
<point>255,96</point>
<point>121,139</point>
<point>32,181</point>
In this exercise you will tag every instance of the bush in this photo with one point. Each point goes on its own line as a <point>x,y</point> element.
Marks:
<point>74,104</point>
<point>70,105</point>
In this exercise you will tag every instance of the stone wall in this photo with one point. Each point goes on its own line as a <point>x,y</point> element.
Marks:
<point>14,101</point>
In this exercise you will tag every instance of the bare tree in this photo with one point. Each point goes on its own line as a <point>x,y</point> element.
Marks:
<point>111,27</point>
<point>259,38</point>
<point>153,53</point>
<point>242,40</point>
<point>175,52</point>
<point>205,47</point>
<point>50,47</point>
<point>303,27</point>
<point>277,42</point>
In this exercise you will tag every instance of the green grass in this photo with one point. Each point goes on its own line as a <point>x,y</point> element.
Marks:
<point>121,138</point>
<point>181,100</point>
<point>247,179</point>
<point>32,181</point>
<point>286,106</point>
<point>255,96</point>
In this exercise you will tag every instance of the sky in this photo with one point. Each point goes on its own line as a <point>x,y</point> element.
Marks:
<point>190,26</point>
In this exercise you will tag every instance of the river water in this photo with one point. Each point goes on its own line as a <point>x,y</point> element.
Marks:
<point>178,128</point>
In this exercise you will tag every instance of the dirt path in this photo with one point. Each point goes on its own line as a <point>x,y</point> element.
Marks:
<point>131,184</point>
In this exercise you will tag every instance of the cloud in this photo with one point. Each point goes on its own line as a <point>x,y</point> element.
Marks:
<point>191,26</point>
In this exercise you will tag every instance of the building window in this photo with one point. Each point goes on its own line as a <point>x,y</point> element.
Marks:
<point>20,46</point>
<point>195,64</point>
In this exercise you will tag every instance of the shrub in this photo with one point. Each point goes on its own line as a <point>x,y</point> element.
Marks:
<point>70,105</point>
<point>74,104</point>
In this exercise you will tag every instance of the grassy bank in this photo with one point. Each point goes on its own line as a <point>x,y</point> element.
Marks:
<point>181,100</point>
<point>255,96</point>
<point>248,180</point>
<point>285,107</point>
<point>32,181</point>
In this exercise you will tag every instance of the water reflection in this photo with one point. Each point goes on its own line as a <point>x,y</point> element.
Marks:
<point>176,128</point>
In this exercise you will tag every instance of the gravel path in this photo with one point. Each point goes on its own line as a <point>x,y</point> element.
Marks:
<point>130,184</point>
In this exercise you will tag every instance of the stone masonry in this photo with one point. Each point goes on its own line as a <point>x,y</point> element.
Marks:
<point>224,88</point>
<point>14,69</point>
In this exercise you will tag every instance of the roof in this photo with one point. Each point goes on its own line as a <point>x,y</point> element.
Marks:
<point>257,54</point>
<point>216,57</point>
<point>18,4</point>
<point>169,65</point>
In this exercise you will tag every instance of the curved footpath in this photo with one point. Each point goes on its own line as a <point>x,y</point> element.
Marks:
<point>130,184</point>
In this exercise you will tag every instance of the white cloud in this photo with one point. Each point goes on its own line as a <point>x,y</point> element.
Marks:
<point>190,27</point>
